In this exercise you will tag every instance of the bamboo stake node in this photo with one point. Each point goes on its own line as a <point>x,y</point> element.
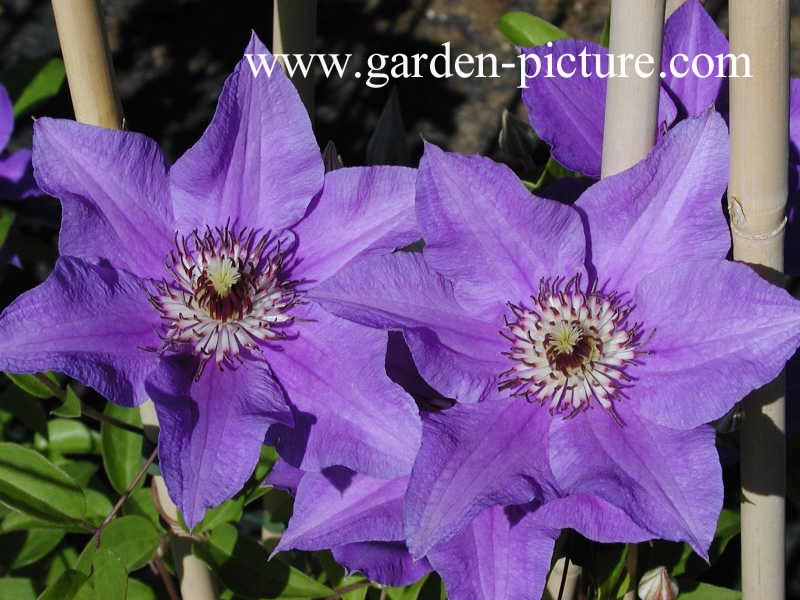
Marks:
<point>631,115</point>
<point>758,187</point>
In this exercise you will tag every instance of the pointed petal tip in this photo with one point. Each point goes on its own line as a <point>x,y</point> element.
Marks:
<point>255,45</point>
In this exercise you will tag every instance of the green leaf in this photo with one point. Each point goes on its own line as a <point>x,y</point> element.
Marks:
<point>728,527</point>
<point>68,436</point>
<point>65,587</point>
<point>6,221</point>
<point>81,471</point>
<point>140,591</point>
<point>109,577</point>
<point>229,511</point>
<point>608,567</point>
<point>28,410</point>
<point>524,29</point>
<point>140,502</point>
<point>122,450</point>
<point>409,592</point>
<point>606,35</point>
<point>552,171</point>
<point>132,538</point>
<point>356,594</point>
<point>64,559</point>
<point>71,408</point>
<point>17,521</point>
<point>17,588</point>
<point>706,591</point>
<point>98,506</point>
<point>32,384</point>
<point>244,566</point>
<point>45,84</point>
<point>22,548</point>
<point>29,483</point>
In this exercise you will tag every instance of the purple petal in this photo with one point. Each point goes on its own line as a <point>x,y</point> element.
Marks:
<point>87,321</point>
<point>692,32</point>
<point>284,476</point>
<point>338,506</point>
<point>668,482</point>
<point>388,563</point>
<point>16,176</point>
<point>258,162</point>
<point>665,210</point>
<point>211,429</point>
<point>792,235</point>
<point>6,118</point>
<point>496,558</point>
<point>488,234</point>
<point>361,209</point>
<point>568,112</point>
<point>400,368</point>
<point>458,354</point>
<point>473,457</point>
<point>348,411</point>
<point>719,331</point>
<point>593,518</point>
<point>112,187</point>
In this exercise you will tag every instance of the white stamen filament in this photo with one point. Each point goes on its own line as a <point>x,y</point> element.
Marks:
<point>228,292</point>
<point>570,348</point>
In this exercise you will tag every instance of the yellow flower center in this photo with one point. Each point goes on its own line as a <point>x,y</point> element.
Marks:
<point>223,274</point>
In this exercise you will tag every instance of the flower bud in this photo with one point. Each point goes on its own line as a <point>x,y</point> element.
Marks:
<point>656,584</point>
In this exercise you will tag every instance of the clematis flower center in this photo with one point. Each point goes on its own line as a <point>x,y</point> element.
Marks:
<point>570,347</point>
<point>227,291</point>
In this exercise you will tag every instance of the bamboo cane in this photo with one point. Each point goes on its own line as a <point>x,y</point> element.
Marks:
<point>673,5</point>
<point>757,199</point>
<point>90,75</point>
<point>561,585</point>
<point>631,117</point>
<point>294,30</point>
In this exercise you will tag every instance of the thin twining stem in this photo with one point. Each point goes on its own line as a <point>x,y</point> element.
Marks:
<point>157,563</point>
<point>125,495</point>
<point>339,592</point>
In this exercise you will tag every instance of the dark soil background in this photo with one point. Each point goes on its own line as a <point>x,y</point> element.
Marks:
<point>172,56</point>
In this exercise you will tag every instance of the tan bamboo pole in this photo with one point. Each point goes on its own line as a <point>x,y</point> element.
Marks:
<point>553,589</point>
<point>757,200</point>
<point>90,75</point>
<point>294,31</point>
<point>629,131</point>
<point>673,5</point>
<point>631,117</point>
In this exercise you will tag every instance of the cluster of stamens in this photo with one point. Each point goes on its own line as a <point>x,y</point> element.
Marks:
<point>571,347</point>
<point>228,291</point>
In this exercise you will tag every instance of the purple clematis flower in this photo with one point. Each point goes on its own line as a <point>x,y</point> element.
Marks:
<point>16,174</point>
<point>568,112</point>
<point>189,284</point>
<point>502,554</point>
<point>586,346</point>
